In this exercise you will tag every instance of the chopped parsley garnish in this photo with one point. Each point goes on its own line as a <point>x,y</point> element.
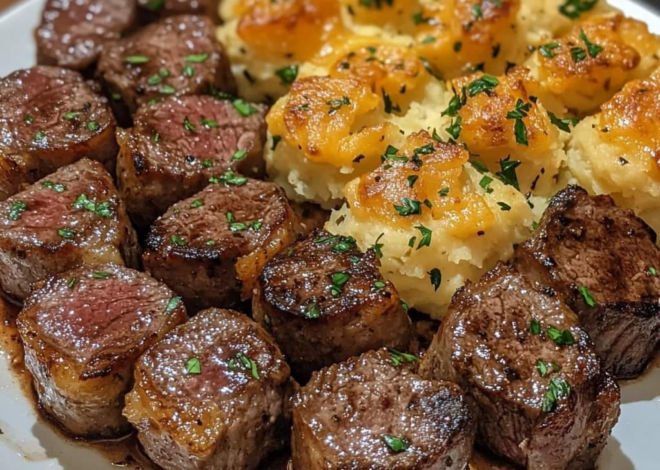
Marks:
<point>483,84</point>
<point>71,115</point>
<point>398,357</point>
<point>477,11</point>
<point>28,119</point>
<point>436,278</point>
<point>179,241</point>
<point>172,304</point>
<point>396,444</point>
<point>239,155</point>
<point>429,68</point>
<point>443,192</point>
<point>560,337</point>
<point>339,280</point>
<point>507,174</point>
<point>17,209</point>
<point>485,183</point>
<point>458,45</point>
<point>578,54</point>
<point>389,106</point>
<point>276,140</point>
<point>72,282</point>
<point>66,233</point>
<point>208,163</point>
<point>41,135</point>
<point>100,274</point>
<point>563,124</point>
<point>593,49</point>
<point>155,5</point>
<point>378,247</point>
<point>288,74</point>
<point>546,49</point>
<point>391,155</point>
<point>455,104</point>
<point>573,9</point>
<point>243,108</point>
<point>419,18</point>
<point>427,234</point>
<point>210,242</point>
<point>197,58</point>
<point>588,298</point>
<point>209,123</point>
<point>428,40</point>
<point>188,71</point>
<point>193,366</point>
<point>196,203</point>
<point>379,285</point>
<point>229,178</point>
<point>546,368</point>
<point>246,363</point>
<point>504,207</point>
<point>335,105</point>
<point>103,209</point>
<point>137,59</point>
<point>557,388</point>
<point>653,271</point>
<point>535,327</point>
<point>93,126</point>
<point>412,179</point>
<point>312,311</point>
<point>454,129</point>
<point>480,167</point>
<point>519,113</point>
<point>187,125</point>
<point>408,207</point>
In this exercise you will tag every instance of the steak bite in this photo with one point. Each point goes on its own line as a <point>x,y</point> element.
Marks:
<point>152,9</point>
<point>370,412</point>
<point>325,301</point>
<point>72,217</point>
<point>604,261</point>
<point>175,146</point>
<point>211,247</point>
<point>50,117</point>
<point>178,56</point>
<point>83,331</point>
<point>72,33</point>
<point>518,352</point>
<point>211,395</point>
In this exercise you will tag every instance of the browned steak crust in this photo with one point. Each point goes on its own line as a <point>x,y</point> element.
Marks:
<point>325,301</point>
<point>518,351</point>
<point>605,262</point>
<point>175,146</point>
<point>211,395</point>
<point>50,117</point>
<point>82,331</point>
<point>211,247</point>
<point>72,33</point>
<point>178,55</point>
<point>74,216</point>
<point>371,412</point>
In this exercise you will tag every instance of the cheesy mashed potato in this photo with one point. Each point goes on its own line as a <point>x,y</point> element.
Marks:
<point>437,131</point>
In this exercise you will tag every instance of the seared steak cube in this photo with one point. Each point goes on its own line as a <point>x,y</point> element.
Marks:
<point>605,262</point>
<point>72,33</point>
<point>211,395</point>
<point>152,9</point>
<point>178,56</point>
<point>325,301</point>
<point>74,216</point>
<point>175,147</point>
<point>83,331</point>
<point>519,353</point>
<point>370,412</point>
<point>50,117</point>
<point>211,247</point>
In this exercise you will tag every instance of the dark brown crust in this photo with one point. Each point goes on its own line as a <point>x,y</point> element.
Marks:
<point>362,318</point>
<point>342,414</point>
<point>221,274</point>
<point>153,175</point>
<point>37,100</point>
<point>72,33</point>
<point>166,44</point>
<point>82,363</point>
<point>486,345</point>
<point>586,241</point>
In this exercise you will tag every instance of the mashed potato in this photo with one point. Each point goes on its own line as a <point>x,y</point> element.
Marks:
<point>586,67</point>
<point>616,151</point>
<point>436,220</point>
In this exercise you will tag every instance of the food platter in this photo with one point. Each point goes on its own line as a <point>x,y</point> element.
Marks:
<point>27,442</point>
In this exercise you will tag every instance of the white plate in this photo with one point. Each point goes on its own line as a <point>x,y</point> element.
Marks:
<point>27,443</point>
